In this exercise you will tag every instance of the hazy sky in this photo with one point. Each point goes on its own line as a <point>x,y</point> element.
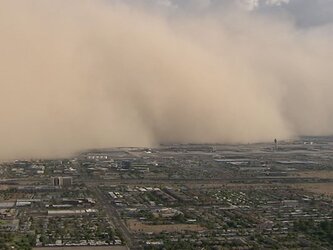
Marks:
<point>85,74</point>
<point>305,13</point>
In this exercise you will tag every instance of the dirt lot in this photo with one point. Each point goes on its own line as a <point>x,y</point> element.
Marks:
<point>317,174</point>
<point>320,188</point>
<point>3,187</point>
<point>137,226</point>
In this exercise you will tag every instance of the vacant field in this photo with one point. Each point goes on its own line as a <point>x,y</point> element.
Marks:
<point>320,188</point>
<point>317,174</point>
<point>3,187</point>
<point>234,185</point>
<point>137,226</point>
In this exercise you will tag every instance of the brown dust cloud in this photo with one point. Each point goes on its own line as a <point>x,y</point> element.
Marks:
<point>86,74</point>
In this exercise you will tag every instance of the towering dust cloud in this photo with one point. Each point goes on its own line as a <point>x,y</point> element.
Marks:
<point>86,74</point>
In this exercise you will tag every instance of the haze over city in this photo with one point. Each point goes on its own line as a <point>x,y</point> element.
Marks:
<point>92,74</point>
<point>166,124</point>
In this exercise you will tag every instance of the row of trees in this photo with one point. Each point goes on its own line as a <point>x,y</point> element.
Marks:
<point>13,241</point>
<point>322,231</point>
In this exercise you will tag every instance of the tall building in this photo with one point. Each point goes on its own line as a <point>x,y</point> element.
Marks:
<point>62,181</point>
<point>55,181</point>
<point>66,181</point>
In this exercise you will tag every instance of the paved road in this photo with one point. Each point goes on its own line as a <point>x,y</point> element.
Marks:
<point>246,180</point>
<point>285,180</point>
<point>115,217</point>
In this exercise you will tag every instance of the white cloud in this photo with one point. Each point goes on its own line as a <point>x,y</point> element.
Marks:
<point>277,2</point>
<point>250,4</point>
<point>255,4</point>
<point>166,3</point>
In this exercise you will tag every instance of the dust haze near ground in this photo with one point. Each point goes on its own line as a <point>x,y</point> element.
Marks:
<point>90,74</point>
